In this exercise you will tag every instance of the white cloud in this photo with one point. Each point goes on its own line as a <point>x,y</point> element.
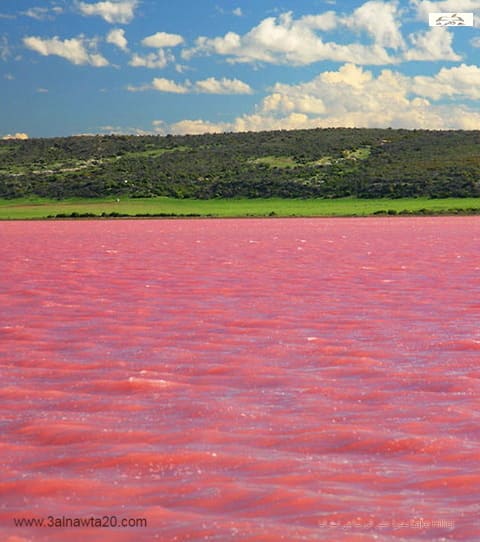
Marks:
<point>117,37</point>
<point>350,96</point>
<point>42,90</point>
<point>159,126</point>
<point>162,39</point>
<point>181,68</point>
<point>5,50</point>
<point>197,127</point>
<point>167,85</point>
<point>284,40</point>
<point>424,7</point>
<point>160,59</point>
<point>9,77</point>
<point>98,61</point>
<point>432,44</point>
<point>236,11</point>
<point>121,130</point>
<point>205,86</point>
<point>18,135</point>
<point>325,21</point>
<point>222,86</point>
<point>354,97</point>
<point>301,41</point>
<point>118,11</point>
<point>279,101</point>
<point>459,81</point>
<point>379,19</point>
<point>41,14</point>
<point>76,50</point>
<point>141,88</point>
<point>475,42</point>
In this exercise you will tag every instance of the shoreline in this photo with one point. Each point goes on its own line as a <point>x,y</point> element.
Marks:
<point>171,208</point>
<point>232,217</point>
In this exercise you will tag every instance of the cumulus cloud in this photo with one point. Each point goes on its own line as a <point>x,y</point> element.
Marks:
<point>354,97</point>
<point>380,20</point>
<point>43,13</point>
<point>78,50</point>
<point>197,127</point>
<point>117,37</point>
<point>432,44</point>
<point>424,7</point>
<point>139,88</point>
<point>279,101</point>
<point>167,85</point>
<point>37,13</point>
<point>160,59</point>
<point>301,41</point>
<point>121,130</point>
<point>117,11</point>
<point>459,81</point>
<point>205,86</point>
<point>18,135</point>
<point>285,40</point>
<point>350,96</point>
<point>223,86</point>
<point>162,39</point>
<point>237,12</point>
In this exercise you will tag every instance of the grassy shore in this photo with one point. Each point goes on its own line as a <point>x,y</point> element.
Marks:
<point>164,207</point>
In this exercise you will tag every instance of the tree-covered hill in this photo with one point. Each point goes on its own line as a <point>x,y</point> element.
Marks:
<point>335,162</point>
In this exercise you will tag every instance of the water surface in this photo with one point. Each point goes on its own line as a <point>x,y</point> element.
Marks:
<point>251,380</point>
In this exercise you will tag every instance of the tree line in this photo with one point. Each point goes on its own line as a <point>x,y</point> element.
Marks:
<point>326,163</point>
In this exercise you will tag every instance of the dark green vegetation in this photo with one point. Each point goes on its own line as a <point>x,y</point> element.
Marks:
<point>272,207</point>
<point>320,163</point>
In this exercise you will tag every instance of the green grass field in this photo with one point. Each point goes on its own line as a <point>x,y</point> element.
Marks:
<point>161,206</point>
<point>277,161</point>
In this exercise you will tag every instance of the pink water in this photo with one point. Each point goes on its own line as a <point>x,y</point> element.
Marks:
<point>250,380</point>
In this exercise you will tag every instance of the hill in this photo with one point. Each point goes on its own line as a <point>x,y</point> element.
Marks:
<point>325,163</point>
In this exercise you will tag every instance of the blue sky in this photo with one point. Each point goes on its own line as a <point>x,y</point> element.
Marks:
<point>148,66</point>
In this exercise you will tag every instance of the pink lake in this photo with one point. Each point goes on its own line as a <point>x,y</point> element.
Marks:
<point>240,380</point>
